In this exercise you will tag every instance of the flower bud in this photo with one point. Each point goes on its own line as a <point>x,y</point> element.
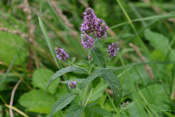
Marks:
<point>112,50</point>
<point>89,57</point>
<point>61,54</point>
<point>72,84</point>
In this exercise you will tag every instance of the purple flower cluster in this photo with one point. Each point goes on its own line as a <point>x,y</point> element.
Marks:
<point>92,26</point>
<point>89,21</point>
<point>72,84</point>
<point>101,29</point>
<point>61,54</point>
<point>87,41</point>
<point>112,49</point>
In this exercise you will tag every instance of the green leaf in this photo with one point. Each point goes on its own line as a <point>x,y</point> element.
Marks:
<point>100,111</point>
<point>9,45</point>
<point>98,91</point>
<point>157,55</point>
<point>75,111</point>
<point>37,101</point>
<point>92,77</point>
<point>115,85</point>
<point>98,57</point>
<point>157,40</point>
<point>131,110</point>
<point>156,95</point>
<point>63,71</point>
<point>41,77</point>
<point>62,102</point>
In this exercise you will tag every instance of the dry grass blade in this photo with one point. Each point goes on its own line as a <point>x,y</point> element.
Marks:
<point>12,97</point>
<point>17,110</point>
<point>148,69</point>
<point>17,32</point>
<point>60,13</point>
<point>31,29</point>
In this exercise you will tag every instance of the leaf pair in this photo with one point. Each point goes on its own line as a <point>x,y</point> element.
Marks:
<point>106,74</point>
<point>75,110</point>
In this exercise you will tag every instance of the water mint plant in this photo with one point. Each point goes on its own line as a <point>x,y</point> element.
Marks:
<point>92,30</point>
<point>73,50</point>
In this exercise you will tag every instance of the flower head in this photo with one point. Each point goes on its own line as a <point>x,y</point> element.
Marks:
<point>112,49</point>
<point>89,21</point>
<point>101,29</point>
<point>87,41</point>
<point>72,84</point>
<point>61,54</point>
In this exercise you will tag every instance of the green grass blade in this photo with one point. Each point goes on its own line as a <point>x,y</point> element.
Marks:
<point>133,27</point>
<point>48,42</point>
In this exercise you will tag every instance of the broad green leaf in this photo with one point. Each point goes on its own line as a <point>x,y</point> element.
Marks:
<point>41,77</point>
<point>156,95</point>
<point>157,40</point>
<point>63,71</point>
<point>75,111</point>
<point>157,55</point>
<point>98,57</point>
<point>115,85</point>
<point>92,77</point>
<point>9,45</point>
<point>62,102</point>
<point>172,55</point>
<point>100,111</point>
<point>37,101</point>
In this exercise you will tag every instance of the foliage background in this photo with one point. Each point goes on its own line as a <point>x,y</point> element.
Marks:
<point>25,56</point>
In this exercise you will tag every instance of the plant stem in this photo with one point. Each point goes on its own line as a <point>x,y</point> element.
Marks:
<point>85,95</point>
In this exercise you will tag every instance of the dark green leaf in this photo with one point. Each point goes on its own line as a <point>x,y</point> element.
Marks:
<point>62,102</point>
<point>92,77</point>
<point>75,111</point>
<point>98,57</point>
<point>115,85</point>
<point>95,82</point>
<point>100,111</point>
<point>63,71</point>
<point>98,91</point>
